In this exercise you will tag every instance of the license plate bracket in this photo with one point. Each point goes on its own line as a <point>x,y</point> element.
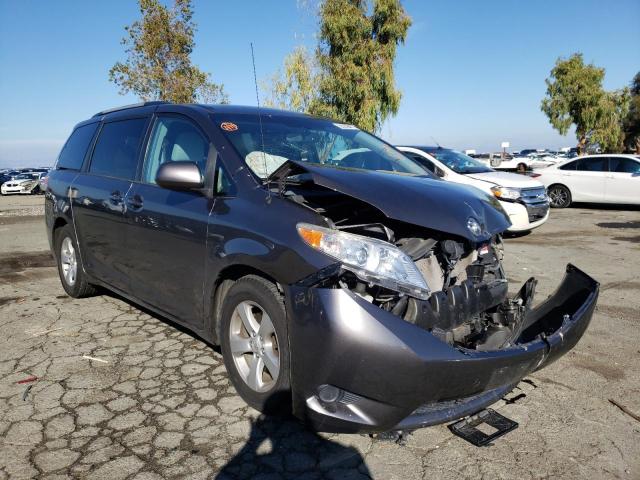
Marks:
<point>468,430</point>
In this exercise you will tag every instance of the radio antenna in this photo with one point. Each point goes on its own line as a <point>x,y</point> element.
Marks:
<point>436,142</point>
<point>264,153</point>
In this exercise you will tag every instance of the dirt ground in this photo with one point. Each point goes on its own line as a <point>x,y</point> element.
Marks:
<point>122,394</point>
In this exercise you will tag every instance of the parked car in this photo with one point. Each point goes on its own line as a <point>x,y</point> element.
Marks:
<point>523,198</point>
<point>606,178</point>
<point>337,276</point>
<point>8,175</point>
<point>520,163</point>
<point>24,183</point>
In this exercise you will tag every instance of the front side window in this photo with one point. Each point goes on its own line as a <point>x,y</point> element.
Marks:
<point>623,165</point>
<point>117,147</point>
<point>74,151</point>
<point>597,164</point>
<point>426,163</point>
<point>459,162</point>
<point>174,139</point>
<point>266,147</point>
<point>223,185</point>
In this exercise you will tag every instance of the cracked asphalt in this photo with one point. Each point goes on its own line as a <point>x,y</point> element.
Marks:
<point>121,393</point>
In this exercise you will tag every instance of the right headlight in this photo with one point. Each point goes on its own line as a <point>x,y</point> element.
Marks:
<point>372,260</point>
<point>506,193</point>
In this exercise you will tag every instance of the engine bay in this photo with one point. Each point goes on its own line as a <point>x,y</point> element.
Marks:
<point>468,306</point>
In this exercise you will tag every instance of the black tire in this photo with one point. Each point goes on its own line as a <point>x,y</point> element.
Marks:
<point>265,296</point>
<point>559,196</point>
<point>80,287</point>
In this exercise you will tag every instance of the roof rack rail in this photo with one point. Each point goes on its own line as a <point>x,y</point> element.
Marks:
<point>133,105</point>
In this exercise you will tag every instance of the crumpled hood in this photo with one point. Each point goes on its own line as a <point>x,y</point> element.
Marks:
<point>423,201</point>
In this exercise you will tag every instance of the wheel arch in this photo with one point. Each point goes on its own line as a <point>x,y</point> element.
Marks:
<point>58,223</point>
<point>224,281</point>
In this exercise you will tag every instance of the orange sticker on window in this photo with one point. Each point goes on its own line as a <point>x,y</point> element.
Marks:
<point>229,126</point>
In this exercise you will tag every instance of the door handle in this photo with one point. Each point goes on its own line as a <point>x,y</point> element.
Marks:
<point>135,202</point>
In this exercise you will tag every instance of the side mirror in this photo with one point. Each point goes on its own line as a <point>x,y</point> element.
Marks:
<point>439,173</point>
<point>179,176</point>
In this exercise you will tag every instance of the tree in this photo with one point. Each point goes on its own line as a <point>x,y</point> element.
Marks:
<point>575,96</point>
<point>632,121</point>
<point>351,75</point>
<point>158,64</point>
<point>355,56</point>
<point>297,87</point>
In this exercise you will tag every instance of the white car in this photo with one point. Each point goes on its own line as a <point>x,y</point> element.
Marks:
<point>26,183</point>
<point>606,178</point>
<point>523,198</point>
<point>523,163</point>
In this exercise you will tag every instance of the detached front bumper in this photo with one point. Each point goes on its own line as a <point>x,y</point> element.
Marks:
<point>392,374</point>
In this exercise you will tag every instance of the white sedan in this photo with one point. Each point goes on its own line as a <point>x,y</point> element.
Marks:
<point>523,198</point>
<point>522,164</point>
<point>25,183</point>
<point>606,178</point>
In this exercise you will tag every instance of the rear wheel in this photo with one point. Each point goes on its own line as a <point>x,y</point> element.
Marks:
<point>559,196</point>
<point>254,344</point>
<point>74,280</point>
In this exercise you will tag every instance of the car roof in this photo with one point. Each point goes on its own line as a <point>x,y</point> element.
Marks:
<point>228,109</point>
<point>596,155</point>
<point>424,148</point>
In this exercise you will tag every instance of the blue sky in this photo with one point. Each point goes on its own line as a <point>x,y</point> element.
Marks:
<point>472,73</point>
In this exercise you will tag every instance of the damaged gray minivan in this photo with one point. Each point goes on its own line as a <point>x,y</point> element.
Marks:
<point>332,270</point>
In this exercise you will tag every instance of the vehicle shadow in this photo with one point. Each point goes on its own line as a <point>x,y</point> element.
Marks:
<point>606,206</point>
<point>278,446</point>
<point>508,235</point>
<point>282,447</point>
<point>109,293</point>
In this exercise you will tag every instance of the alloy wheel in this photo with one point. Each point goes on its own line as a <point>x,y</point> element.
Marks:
<point>558,197</point>
<point>254,346</point>
<point>68,261</point>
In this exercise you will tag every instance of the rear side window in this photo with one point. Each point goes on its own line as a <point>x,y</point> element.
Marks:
<point>623,165</point>
<point>597,164</point>
<point>74,151</point>
<point>116,150</point>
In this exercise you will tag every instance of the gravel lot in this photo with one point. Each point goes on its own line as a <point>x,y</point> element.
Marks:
<point>122,394</point>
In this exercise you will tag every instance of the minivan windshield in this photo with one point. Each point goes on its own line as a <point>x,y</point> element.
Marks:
<point>266,143</point>
<point>459,162</point>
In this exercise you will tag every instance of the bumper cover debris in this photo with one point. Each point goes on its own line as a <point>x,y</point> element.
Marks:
<point>392,374</point>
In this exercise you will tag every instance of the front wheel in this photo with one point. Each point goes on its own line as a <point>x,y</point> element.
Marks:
<point>559,196</point>
<point>255,346</point>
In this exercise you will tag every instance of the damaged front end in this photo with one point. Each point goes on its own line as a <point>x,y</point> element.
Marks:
<point>379,348</point>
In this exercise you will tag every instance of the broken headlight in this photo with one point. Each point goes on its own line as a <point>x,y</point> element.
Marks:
<point>372,260</point>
